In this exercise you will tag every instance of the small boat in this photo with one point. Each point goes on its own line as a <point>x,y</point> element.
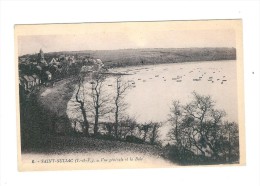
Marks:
<point>178,80</point>
<point>156,75</point>
<point>139,79</point>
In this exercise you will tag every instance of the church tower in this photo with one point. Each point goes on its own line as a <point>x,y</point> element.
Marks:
<point>40,56</point>
<point>40,59</point>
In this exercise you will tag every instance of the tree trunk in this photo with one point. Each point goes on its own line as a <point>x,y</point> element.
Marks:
<point>83,111</point>
<point>85,121</point>
<point>96,122</point>
<point>116,121</point>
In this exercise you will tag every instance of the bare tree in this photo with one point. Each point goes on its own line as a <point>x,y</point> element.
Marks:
<point>199,110</point>
<point>120,105</point>
<point>81,101</point>
<point>100,100</point>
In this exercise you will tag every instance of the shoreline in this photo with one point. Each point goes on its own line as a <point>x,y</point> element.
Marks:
<point>186,62</point>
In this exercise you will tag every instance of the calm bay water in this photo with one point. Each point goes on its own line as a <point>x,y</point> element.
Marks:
<point>156,86</point>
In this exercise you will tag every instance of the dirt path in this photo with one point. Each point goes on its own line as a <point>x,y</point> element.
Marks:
<point>56,98</point>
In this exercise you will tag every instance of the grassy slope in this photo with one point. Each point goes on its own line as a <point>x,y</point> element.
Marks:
<point>72,144</point>
<point>56,98</point>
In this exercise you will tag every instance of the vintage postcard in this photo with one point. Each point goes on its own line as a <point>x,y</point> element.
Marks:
<point>130,95</point>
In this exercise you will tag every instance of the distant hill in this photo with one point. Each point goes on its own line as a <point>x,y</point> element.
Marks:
<point>130,57</point>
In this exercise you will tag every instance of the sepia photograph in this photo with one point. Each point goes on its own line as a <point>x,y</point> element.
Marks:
<point>130,95</point>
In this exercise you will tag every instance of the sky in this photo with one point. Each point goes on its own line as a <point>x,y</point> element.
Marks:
<point>124,38</point>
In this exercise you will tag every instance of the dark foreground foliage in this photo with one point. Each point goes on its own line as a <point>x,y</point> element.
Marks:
<point>186,157</point>
<point>200,135</point>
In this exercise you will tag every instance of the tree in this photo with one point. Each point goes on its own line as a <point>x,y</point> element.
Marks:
<point>198,127</point>
<point>127,127</point>
<point>144,130</point>
<point>200,111</point>
<point>81,101</point>
<point>229,144</point>
<point>149,132</point>
<point>175,117</point>
<point>120,105</point>
<point>100,100</point>
<point>154,136</point>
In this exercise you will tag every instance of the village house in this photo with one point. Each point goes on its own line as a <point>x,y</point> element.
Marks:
<point>53,61</point>
<point>29,82</point>
<point>98,64</point>
<point>37,80</point>
<point>22,83</point>
<point>48,75</point>
<point>38,70</point>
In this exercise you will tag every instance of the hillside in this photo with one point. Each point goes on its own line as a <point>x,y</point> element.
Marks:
<point>157,56</point>
<point>130,57</point>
